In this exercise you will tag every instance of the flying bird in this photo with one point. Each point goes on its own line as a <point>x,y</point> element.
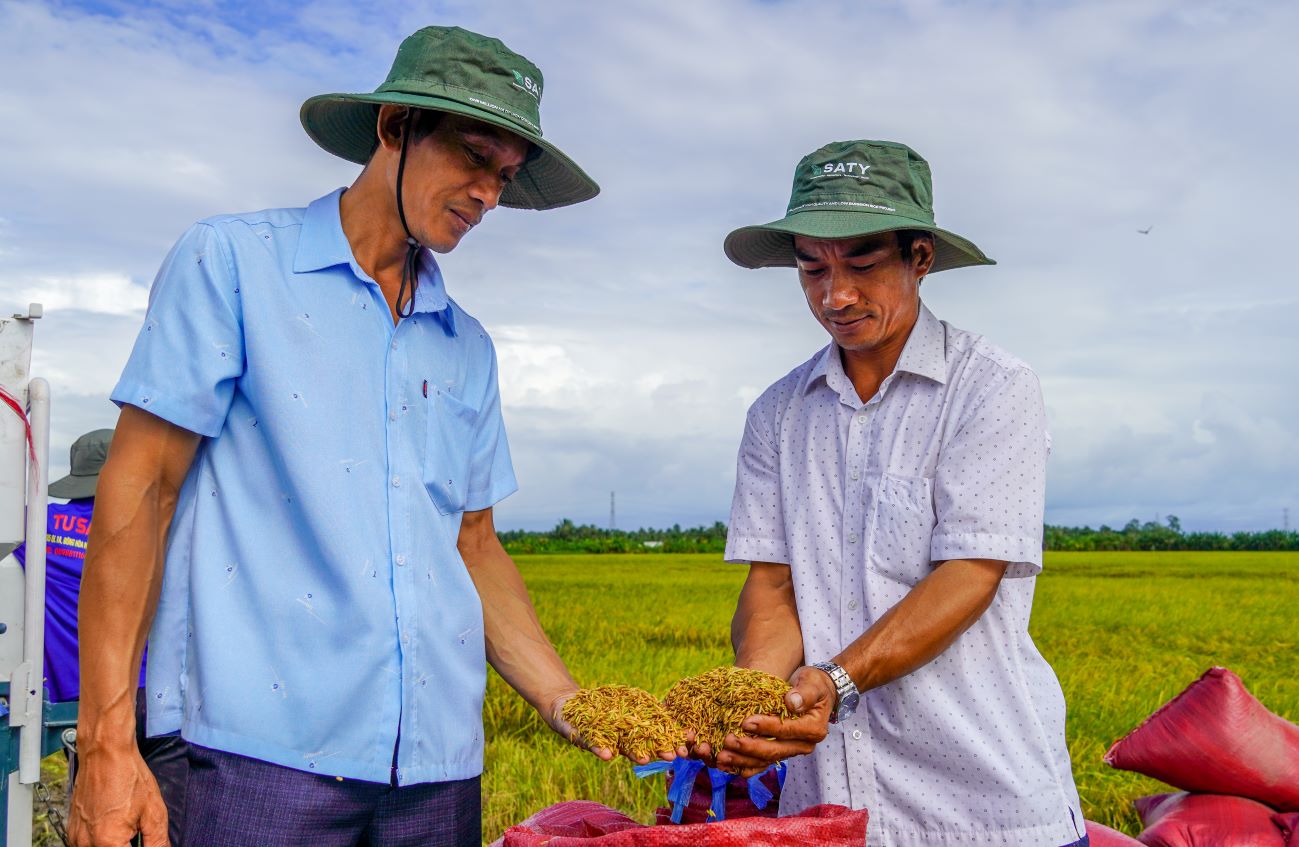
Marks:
<point>1146,231</point>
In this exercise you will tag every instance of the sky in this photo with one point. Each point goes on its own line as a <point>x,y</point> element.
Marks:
<point>630,347</point>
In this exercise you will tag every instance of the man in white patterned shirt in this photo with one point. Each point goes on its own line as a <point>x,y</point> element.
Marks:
<point>889,503</point>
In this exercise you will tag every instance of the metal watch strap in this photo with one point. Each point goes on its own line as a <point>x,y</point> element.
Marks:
<point>843,685</point>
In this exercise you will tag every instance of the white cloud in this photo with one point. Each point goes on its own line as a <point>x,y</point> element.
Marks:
<point>538,373</point>
<point>629,346</point>
<point>105,293</point>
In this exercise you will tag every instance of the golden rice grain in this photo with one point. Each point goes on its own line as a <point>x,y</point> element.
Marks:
<point>716,702</point>
<point>622,718</point>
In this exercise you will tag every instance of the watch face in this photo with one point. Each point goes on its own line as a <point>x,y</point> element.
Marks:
<point>847,706</point>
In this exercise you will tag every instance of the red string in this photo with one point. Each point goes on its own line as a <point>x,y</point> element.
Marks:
<point>12,402</point>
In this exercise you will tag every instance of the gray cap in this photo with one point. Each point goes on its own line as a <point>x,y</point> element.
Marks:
<point>88,454</point>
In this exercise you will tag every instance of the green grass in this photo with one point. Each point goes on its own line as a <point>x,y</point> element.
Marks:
<point>643,620</point>
<point>1124,632</point>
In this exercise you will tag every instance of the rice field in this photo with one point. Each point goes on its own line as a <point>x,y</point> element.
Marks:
<point>1124,632</point>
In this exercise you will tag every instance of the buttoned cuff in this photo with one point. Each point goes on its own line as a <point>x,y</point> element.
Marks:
<point>741,550</point>
<point>1023,555</point>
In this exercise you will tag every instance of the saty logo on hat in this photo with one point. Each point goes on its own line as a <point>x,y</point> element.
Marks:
<point>848,189</point>
<point>449,69</point>
<point>528,84</point>
<point>852,169</point>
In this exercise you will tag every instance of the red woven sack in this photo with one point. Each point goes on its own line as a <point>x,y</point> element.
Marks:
<point>825,826</point>
<point>1289,823</point>
<point>1216,738</point>
<point>1102,836</point>
<point>1206,820</point>
<point>576,819</point>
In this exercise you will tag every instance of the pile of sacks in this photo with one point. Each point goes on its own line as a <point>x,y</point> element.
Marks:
<point>1236,762</point>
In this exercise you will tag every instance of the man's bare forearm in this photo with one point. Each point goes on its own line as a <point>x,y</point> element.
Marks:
<point>517,646</point>
<point>911,634</point>
<point>134,503</point>
<point>766,635</point>
<point>765,630</point>
<point>924,623</point>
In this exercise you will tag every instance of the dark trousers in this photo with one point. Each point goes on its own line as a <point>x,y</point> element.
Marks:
<point>169,763</point>
<point>235,801</point>
<point>166,759</point>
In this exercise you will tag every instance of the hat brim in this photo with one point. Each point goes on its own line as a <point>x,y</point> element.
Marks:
<point>73,487</point>
<point>771,245</point>
<point>344,124</point>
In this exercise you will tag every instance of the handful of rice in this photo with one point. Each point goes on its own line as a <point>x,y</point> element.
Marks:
<point>622,718</point>
<point>716,702</point>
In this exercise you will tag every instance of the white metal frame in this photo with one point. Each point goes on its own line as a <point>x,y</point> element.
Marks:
<point>26,694</point>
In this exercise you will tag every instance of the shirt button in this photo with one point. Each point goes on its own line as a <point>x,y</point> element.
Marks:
<point>396,482</point>
<point>394,345</point>
<point>852,604</point>
<point>400,560</point>
<point>855,475</point>
<point>861,419</point>
<point>852,538</point>
<point>405,638</point>
<point>392,416</point>
<point>856,735</point>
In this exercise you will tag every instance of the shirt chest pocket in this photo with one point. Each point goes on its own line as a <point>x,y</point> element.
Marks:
<point>449,443</point>
<point>903,527</point>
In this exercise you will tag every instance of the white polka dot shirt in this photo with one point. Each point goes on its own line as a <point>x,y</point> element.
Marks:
<point>861,500</point>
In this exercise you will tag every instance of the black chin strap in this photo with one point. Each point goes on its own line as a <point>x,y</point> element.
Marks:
<point>410,267</point>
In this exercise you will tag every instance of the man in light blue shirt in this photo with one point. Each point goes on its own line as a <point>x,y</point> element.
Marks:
<point>313,426</point>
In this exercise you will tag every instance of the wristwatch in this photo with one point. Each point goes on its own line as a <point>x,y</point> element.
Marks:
<point>846,694</point>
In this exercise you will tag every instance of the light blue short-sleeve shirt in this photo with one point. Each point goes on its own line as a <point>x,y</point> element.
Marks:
<point>314,605</point>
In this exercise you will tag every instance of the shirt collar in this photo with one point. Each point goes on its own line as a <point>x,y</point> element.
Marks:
<point>820,367</point>
<point>924,354</point>
<point>322,244</point>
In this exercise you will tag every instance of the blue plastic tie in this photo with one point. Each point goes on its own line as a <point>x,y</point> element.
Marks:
<point>651,768</point>
<point>719,779</point>
<point>686,771</point>
<point>759,794</point>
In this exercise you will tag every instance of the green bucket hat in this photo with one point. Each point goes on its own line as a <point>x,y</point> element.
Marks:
<point>449,69</point>
<point>849,189</point>
<point>88,454</point>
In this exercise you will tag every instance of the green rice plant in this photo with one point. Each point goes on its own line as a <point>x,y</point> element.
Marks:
<point>1125,632</point>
